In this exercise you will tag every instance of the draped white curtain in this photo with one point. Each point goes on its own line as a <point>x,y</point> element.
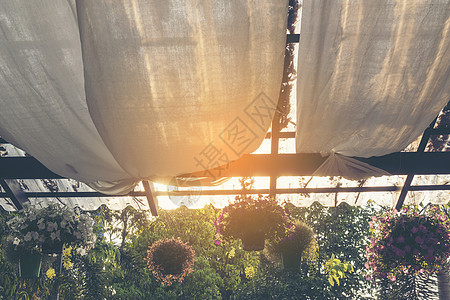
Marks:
<point>110,92</point>
<point>371,76</point>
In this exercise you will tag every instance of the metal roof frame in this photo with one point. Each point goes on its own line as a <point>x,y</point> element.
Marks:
<point>273,165</point>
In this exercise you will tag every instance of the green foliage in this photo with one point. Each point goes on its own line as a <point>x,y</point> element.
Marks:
<point>116,267</point>
<point>335,269</point>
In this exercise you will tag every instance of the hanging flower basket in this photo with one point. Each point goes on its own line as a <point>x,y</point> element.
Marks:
<point>253,241</point>
<point>408,243</point>
<point>252,220</point>
<point>46,229</point>
<point>298,238</point>
<point>170,260</point>
<point>29,264</point>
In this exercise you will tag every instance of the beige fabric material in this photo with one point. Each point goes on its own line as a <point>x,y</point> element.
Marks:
<point>110,92</point>
<point>371,74</point>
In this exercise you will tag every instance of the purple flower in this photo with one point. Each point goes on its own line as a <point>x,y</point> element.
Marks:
<point>423,228</point>
<point>414,229</point>
<point>419,239</point>
<point>407,248</point>
<point>400,239</point>
<point>399,252</point>
<point>433,241</point>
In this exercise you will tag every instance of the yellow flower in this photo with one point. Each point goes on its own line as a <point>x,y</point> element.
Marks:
<point>50,273</point>
<point>67,251</point>
<point>67,264</point>
<point>231,253</point>
<point>249,272</point>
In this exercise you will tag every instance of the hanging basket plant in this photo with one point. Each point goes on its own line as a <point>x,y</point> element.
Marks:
<point>45,229</point>
<point>408,243</point>
<point>253,220</point>
<point>293,244</point>
<point>170,260</point>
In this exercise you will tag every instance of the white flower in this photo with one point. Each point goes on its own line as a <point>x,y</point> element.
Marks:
<point>81,251</point>
<point>41,226</point>
<point>27,237</point>
<point>53,236</point>
<point>35,235</point>
<point>42,239</point>
<point>16,241</point>
<point>12,222</point>
<point>77,234</point>
<point>52,226</point>
<point>25,225</point>
<point>63,223</point>
<point>58,235</point>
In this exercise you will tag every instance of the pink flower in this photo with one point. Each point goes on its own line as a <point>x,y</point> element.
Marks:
<point>399,252</point>
<point>419,239</point>
<point>414,229</point>
<point>423,228</point>
<point>400,239</point>
<point>217,242</point>
<point>374,218</point>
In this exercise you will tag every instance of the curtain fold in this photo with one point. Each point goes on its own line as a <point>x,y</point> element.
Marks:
<point>371,75</point>
<point>181,86</point>
<point>110,92</point>
<point>43,104</point>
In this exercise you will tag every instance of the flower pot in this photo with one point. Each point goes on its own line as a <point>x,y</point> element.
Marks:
<point>290,259</point>
<point>253,241</point>
<point>53,248</point>
<point>29,265</point>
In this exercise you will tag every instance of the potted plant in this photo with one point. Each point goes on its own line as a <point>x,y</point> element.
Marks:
<point>36,230</point>
<point>408,243</point>
<point>298,238</point>
<point>170,260</point>
<point>252,220</point>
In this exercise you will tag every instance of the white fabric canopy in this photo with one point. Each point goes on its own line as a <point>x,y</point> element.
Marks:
<point>110,92</point>
<point>371,76</point>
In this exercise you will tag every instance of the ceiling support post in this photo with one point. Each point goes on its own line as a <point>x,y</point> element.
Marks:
<point>14,192</point>
<point>151,197</point>
<point>423,143</point>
